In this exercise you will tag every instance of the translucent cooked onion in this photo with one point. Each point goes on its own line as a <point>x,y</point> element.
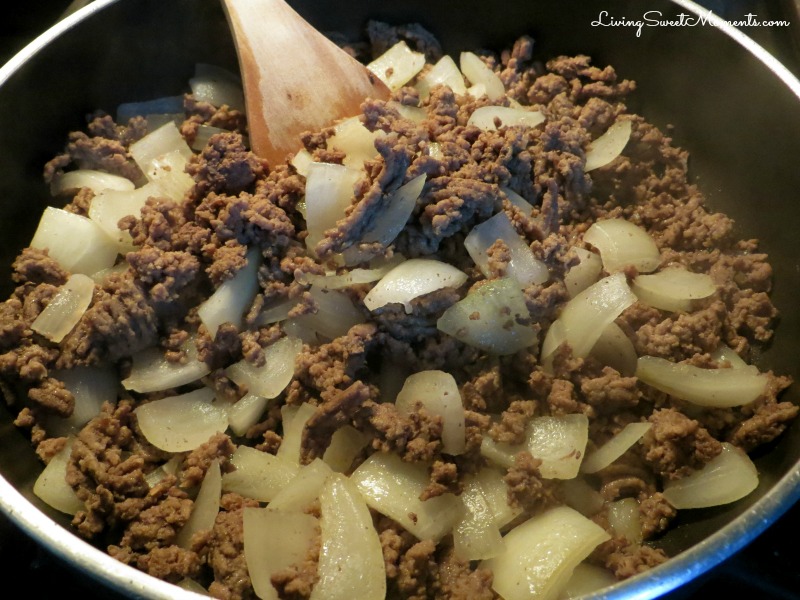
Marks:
<point>393,487</point>
<point>349,278</point>
<point>351,556</point>
<point>726,478</point>
<point>95,180</point>
<point>725,353</point>
<point>489,118</point>
<point>415,114</point>
<point>90,387</point>
<point>329,192</point>
<point>437,391</point>
<point>673,289</point>
<point>476,535</point>
<point>587,578</point>
<point>258,475</point>
<point>616,350</point>
<point>294,422</point>
<point>622,244</point>
<point>152,372</point>
<point>217,86</point>
<point>169,172</point>
<point>479,73</point>
<point>109,206</point>
<point>517,200</point>
<point>624,517</point>
<point>585,273</point>
<point>65,308</point>
<point>51,485</point>
<point>203,136</point>
<point>356,141</point>
<point>75,242</point>
<point>271,378</point>
<point>608,146</point>
<point>581,496</point>
<point>304,489</point>
<point>715,388</point>
<point>541,554</point>
<point>493,317</point>
<point>615,447</point>
<point>397,66</point>
<point>155,144</point>
<point>231,299</point>
<point>346,444</point>
<point>205,507</point>
<point>523,266</point>
<point>335,313</point>
<point>181,423</point>
<point>444,72</point>
<point>412,279</point>
<point>495,490</point>
<point>301,161</point>
<point>246,413</point>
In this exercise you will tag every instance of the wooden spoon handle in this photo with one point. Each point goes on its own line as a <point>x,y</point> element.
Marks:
<point>295,79</point>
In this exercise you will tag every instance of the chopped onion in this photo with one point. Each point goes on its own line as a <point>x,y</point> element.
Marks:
<point>274,375</point>
<point>162,105</point>
<point>476,535</point>
<point>412,279</point>
<point>168,171</point>
<point>205,508</point>
<point>716,388</point>
<point>587,578</point>
<point>97,181</point>
<point>673,289</point>
<point>444,72</point>
<point>523,266</point>
<point>541,554</point>
<point>181,423</point>
<point>495,490</point>
<point>154,121</point>
<point>517,200</point>
<point>477,91</point>
<point>397,66</point>
<point>329,192</point>
<point>727,477</point>
<point>301,161</point>
<point>622,244</point>
<point>493,317</point>
<point>258,475</point>
<point>351,556</point>
<point>246,412</point>
<point>625,519</point>
<point>725,353</point>
<point>204,135</point>
<point>78,244</point>
<point>232,298</point>
<point>152,372</point>
<point>479,73</point>
<point>438,392</point>
<point>582,497</point>
<point>278,311</point>
<point>356,141</point>
<point>608,146</point>
<point>52,487</point>
<point>217,86</point>
<point>346,444</point>
<point>261,528</point>
<point>302,491</point>
<point>156,476</point>
<point>615,447</point>
<point>294,422</point>
<point>393,487</point>
<point>585,273</point>
<point>349,278</point>
<point>616,350</point>
<point>91,387</point>
<point>65,309</point>
<point>335,315</point>
<point>163,140</point>
<point>415,114</point>
<point>486,118</point>
<point>109,206</point>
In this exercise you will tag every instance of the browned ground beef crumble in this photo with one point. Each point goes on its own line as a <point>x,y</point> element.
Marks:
<point>185,249</point>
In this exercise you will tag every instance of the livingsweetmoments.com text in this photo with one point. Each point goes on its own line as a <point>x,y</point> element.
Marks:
<point>655,18</point>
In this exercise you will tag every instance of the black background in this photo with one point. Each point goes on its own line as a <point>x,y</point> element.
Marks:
<point>767,569</point>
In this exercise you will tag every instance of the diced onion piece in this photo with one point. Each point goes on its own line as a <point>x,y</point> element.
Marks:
<point>154,121</point>
<point>205,508</point>
<point>393,487</point>
<point>438,392</point>
<point>246,412</point>
<point>65,309</point>
<point>109,206</point>
<point>608,146</point>
<point>95,180</point>
<point>673,289</point>
<point>217,86</point>
<point>258,475</point>
<point>495,490</point>
<point>356,141</point>
<point>412,279</point>
<point>231,299</point>
<point>294,422</point>
<point>349,278</point>
<point>397,66</point>
<point>301,161</point>
<point>277,312</point>
<point>163,140</point>
<point>91,387</point>
<point>444,72</point>
<point>616,350</point>
<point>587,578</point>
<point>351,556</point>
<point>476,535</point>
<point>715,388</point>
<point>615,447</point>
<point>203,136</point>
<point>517,200</point>
<point>304,489</point>
<point>625,519</point>
<point>347,442</point>
<point>169,172</point>
<point>541,554</point>
<point>725,353</point>
<point>523,266</point>
<point>493,317</point>
<point>335,315</point>
<point>581,496</point>
<point>478,72</point>
<point>329,192</point>
<point>156,476</point>
<point>262,527</point>
<point>622,244</point>
<point>274,375</point>
<point>75,242</point>
<point>727,477</point>
<point>585,273</point>
<point>587,315</point>
<point>415,114</point>
<point>162,105</point>
<point>52,487</point>
<point>152,372</point>
<point>477,91</point>
<point>486,118</point>
<point>181,423</point>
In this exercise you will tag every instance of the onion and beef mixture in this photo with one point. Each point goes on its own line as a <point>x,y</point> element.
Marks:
<point>484,340</point>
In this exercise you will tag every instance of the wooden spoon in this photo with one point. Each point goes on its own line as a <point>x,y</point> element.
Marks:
<point>295,79</point>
